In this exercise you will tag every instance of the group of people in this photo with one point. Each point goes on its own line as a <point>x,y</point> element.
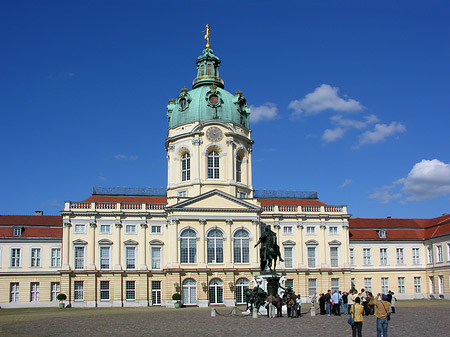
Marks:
<point>358,305</point>
<point>292,301</point>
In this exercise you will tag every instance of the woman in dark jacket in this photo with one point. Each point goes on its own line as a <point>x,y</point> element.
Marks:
<point>322,304</point>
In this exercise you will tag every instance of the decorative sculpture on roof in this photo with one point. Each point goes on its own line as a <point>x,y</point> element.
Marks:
<point>207,32</point>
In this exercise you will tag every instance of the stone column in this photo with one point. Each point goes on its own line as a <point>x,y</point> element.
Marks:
<point>93,226</point>
<point>228,253</point>
<point>231,173</point>
<point>301,248</point>
<point>143,254</point>
<point>254,252</point>
<point>117,255</point>
<point>323,227</point>
<point>202,258</point>
<point>66,246</point>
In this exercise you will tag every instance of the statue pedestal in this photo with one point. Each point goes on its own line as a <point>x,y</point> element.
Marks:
<point>270,283</point>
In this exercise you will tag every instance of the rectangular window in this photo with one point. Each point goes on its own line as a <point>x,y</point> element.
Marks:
<point>352,256</point>
<point>367,256</point>
<point>35,257</point>
<point>156,257</point>
<point>182,194</point>
<point>333,230</point>
<point>417,285</point>
<point>104,290</point>
<point>416,255</point>
<point>78,291</point>
<point>334,285</point>
<point>310,230</point>
<point>311,257</point>
<point>105,253</point>
<point>448,251</point>
<point>79,258</point>
<point>334,257</point>
<point>130,290</point>
<point>441,284</point>
<point>384,285</point>
<point>156,229</point>
<point>312,286</point>
<point>439,254</point>
<point>368,284</point>
<point>130,257</point>
<point>55,257</point>
<point>242,195</point>
<point>429,254</point>
<point>287,230</point>
<point>80,228</point>
<point>383,256</point>
<point>399,252</point>
<point>15,257</point>
<point>288,257</point>
<point>130,229</point>
<point>401,285</point>
<point>105,229</point>
<point>14,292</point>
<point>54,290</point>
<point>34,292</point>
<point>156,292</point>
<point>17,231</point>
<point>289,283</point>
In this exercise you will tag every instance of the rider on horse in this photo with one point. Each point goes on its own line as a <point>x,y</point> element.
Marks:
<point>269,248</point>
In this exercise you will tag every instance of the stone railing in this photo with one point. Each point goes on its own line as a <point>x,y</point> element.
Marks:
<point>116,206</point>
<point>305,209</point>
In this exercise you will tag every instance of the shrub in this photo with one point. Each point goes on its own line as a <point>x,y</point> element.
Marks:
<point>176,297</point>
<point>61,297</point>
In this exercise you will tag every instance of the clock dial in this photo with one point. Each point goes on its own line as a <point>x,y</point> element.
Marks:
<point>214,134</point>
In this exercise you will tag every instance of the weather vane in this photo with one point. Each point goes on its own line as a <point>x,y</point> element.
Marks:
<point>207,32</point>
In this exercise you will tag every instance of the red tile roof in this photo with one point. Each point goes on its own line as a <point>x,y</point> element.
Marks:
<point>49,226</point>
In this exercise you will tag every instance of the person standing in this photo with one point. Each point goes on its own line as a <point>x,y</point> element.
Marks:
<point>350,300</point>
<point>345,303</point>
<point>299,305</point>
<point>336,304</point>
<point>328,302</point>
<point>393,300</point>
<point>271,300</point>
<point>279,301</point>
<point>358,309</point>
<point>322,303</point>
<point>382,312</point>
<point>314,300</point>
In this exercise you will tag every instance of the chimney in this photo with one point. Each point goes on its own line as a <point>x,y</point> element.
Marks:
<point>389,217</point>
<point>38,213</point>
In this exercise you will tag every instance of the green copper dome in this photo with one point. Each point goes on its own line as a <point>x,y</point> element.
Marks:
<point>208,100</point>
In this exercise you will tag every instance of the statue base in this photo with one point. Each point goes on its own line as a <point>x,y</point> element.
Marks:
<point>270,283</point>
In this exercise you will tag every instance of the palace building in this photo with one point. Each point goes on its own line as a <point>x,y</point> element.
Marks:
<point>137,247</point>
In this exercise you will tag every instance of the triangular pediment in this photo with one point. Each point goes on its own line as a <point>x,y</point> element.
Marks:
<point>215,201</point>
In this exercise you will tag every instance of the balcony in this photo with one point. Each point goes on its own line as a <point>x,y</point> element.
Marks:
<point>319,209</point>
<point>112,206</point>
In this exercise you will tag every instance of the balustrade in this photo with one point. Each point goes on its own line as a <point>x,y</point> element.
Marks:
<point>287,208</point>
<point>155,206</point>
<point>80,205</point>
<point>131,205</point>
<point>106,205</point>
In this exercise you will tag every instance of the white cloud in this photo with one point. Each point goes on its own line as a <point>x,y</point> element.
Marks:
<point>267,111</point>
<point>385,194</point>
<point>346,183</point>
<point>323,98</point>
<point>125,157</point>
<point>427,179</point>
<point>331,135</point>
<point>353,123</point>
<point>380,133</point>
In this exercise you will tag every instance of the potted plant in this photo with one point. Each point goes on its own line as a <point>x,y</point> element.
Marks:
<point>61,298</point>
<point>176,300</point>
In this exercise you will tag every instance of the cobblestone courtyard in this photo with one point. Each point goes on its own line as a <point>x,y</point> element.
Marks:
<point>413,318</point>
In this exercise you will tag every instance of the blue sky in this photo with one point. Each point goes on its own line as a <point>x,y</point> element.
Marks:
<point>348,98</point>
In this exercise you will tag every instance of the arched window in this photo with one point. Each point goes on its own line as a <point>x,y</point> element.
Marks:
<point>185,167</point>
<point>216,291</point>
<point>189,292</point>
<point>241,287</point>
<point>213,165</point>
<point>238,168</point>
<point>188,246</point>
<point>215,246</point>
<point>241,247</point>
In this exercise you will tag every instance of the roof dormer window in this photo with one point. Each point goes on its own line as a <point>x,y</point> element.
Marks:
<point>382,233</point>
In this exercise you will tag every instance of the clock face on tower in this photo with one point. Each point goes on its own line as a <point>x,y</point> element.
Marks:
<point>214,134</point>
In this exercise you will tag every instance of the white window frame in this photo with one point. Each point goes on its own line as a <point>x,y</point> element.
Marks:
<point>129,248</point>
<point>213,246</point>
<point>415,252</point>
<point>78,291</point>
<point>338,257</point>
<point>400,255</point>
<point>213,164</point>
<point>335,284</point>
<point>417,285</point>
<point>216,291</point>
<point>384,256</point>
<point>17,231</point>
<point>55,261</point>
<point>55,289</point>
<point>14,292</point>
<point>35,257</point>
<point>185,167</point>
<point>241,244</point>
<point>130,290</point>
<point>312,286</point>
<point>101,259</point>
<point>368,284</point>
<point>333,230</point>
<point>439,254</point>
<point>310,230</point>
<point>401,285</point>
<point>104,290</point>
<point>242,284</point>
<point>242,195</point>
<point>75,259</point>
<point>367,256</point>
<point>182,194</point>
<point>105,228</point>
<point>288,260</point>
<point>153,259</point>
<point>130,229</point>
<point>288,230</point>
<point>351,254</point>
<point>15,261</point>
<point>156,229</point>
<point>308,257</point>
<point>79,228</point>
<point>441,284</point>
<point>34,291</point>
<point>448,251</point>
<point>384,285</point>
<point>156,292</point>
<point>188,259</point>
<point>429,254</point>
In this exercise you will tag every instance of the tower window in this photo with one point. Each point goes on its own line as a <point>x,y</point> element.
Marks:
<point>202,71</point>
<point>182,103</point>
<point>213,99</point>
<point>209,70</point>
<point>213,165</point>
<point>185,167</point>
<point>238,168</point>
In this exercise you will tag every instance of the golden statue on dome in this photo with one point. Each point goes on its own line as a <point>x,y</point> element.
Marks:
<point>207,32</point>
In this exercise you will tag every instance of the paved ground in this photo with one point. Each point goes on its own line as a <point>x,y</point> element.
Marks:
<point>413,318</point>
